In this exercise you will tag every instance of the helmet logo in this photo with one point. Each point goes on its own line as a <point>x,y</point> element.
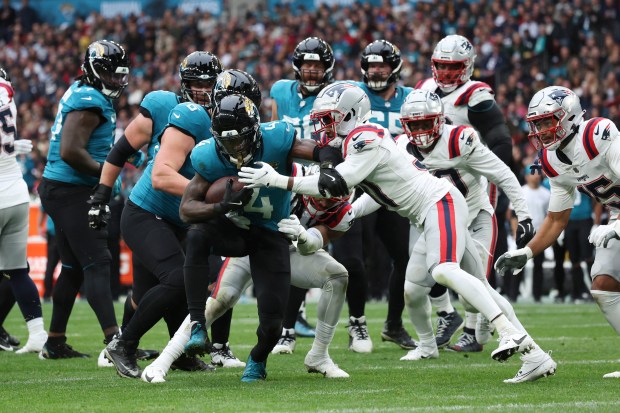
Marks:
<point>249,106</point>
<point>227,80</point>
<point>558,96</point>
<point>97,50</point>
<point>466,46</point>
<point>184,63</point>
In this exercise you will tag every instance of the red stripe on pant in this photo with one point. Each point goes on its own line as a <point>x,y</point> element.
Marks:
<point>493,194</point>
<point>447,230</point>
<point>492,248</point>
<point>219,277</point>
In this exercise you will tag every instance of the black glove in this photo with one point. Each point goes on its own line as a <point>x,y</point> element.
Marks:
<point>331,183</point>
<point>327,154</point>
<point>525,232</point>
<point>99,213</point>
<point>234,200</point>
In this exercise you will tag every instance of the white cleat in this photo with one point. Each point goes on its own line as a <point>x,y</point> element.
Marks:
<point>512,343</point>
<point>614,375</point>
<point>34,344</point>
<point>153,374</point>
<point>359,339</point>
<point>224,357</point>
<point>325,366</point>
<point>484,329</point>
<point>420,353</point>
<point>286,343</point>
<point>533,370</point>
<point>102,360</point>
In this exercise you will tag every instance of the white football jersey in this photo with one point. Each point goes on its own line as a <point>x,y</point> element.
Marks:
<point>460,156</point>
<point>456,103</point>
<point>594,154</point>
<point>13,188</point>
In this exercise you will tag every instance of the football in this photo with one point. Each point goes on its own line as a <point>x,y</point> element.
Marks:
<point>216,191</point>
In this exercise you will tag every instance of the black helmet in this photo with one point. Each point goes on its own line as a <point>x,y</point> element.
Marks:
<point>203,66</point>
<point>4,74</point>
<point>235,125</point>
<point>236,81</point>
<point>314,49</point>
<point>381,51</point>
<point>106,67</point>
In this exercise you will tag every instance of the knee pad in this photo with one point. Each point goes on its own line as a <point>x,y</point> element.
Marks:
<point>440,272</point>
<point>226,295</point>
<point>414,292</point>
<point>336,283</point>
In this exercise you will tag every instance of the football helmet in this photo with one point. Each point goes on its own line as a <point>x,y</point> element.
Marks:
<point>4,74</point>
<point>322,209</point>
<point>236,81</point>
<point>452,62</point>
<point>553,114</point>
<point>313,49</point>
<point>235,127</point>
<point>196,67</point>
<point>106,68</point>
<point>337,110</point>
<point>381,51</point>
<point>422,117</point>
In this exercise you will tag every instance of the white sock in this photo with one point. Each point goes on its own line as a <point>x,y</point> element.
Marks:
<point>609,303</point>
<point>503,325</point>
<point>36,336</point>
<point>470,320</point>
<point>323,337</point>
<point>175,347</point>
<point>443,303</point>
<point>419,309</point>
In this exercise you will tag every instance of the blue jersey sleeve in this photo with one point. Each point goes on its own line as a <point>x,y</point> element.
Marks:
<point>191,119</point>
<point>280,132</point>
<point>85,98</point>
<point>156,103</point>
<point>280,90</point>
<point>207,163</point>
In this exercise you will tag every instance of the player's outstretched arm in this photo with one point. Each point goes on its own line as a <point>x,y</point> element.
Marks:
<point>78,127</point>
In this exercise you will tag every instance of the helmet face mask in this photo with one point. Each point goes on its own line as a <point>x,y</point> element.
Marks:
<point>311,75</point>
<point>198,72</point>
<point>199,91</point>
<point>106,68</point>
<point>5,75</point>
<point>422,118</point>
<point>452,62</point>
<point>313,63</point>
<point>322,209</point>
<point>385,57</point>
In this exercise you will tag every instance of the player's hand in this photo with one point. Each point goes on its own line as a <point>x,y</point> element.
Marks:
<point>99,213</point>
<point>22,146</point>
<point>525,232</point>
<point>240,221</point>
<point>331,183</point>
<point>513,260</point>
<point>137,159</point>
<point>292,228</point>
<point>601,235</point>
<point>234,200</point>
<point>264,175</point>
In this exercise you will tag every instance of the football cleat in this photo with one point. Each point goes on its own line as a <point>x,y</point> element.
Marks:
<point>286,343</point>
<point>421,353</point>
<point>186,363</point>
<point>198,343</point>
<point>102,360</point>
<point>5,345</point>
<point>399,335</point>
<point>61,351</point>
<point>222,355</point>
<point>142,354</point>
<point>447,325</point>
<point>12,340</point>
<point>484,329</point>
<point>325,366</point>
<point>254,371</point>
<point>466,344</point>
<point>613,375</point>
<point>123,355</point>
<point>303,328</point>
<point>34,344</point>
<point>533,369</point>
<point>153,374</point>
<point>510,344</point>
<point>359,339</point>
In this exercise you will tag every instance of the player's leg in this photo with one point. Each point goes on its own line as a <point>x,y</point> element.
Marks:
<point>288,338</point>
<point>7,301</point>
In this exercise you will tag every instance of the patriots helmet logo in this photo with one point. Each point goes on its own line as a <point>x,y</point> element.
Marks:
<point>559,95</point>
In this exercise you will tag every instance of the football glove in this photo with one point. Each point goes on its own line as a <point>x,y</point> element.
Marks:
<point>233,200</point>
<point>265,176</point>
<point>99,213</point>
<point>22,146</point>
<point>292,228</point>
<point>601,235</point>
<point>513,260</point>
<point>525,232</point>
<point>331,183</point>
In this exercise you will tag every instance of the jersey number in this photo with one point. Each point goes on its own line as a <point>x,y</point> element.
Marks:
<point>8,129</point>
<point>265,207</point>
<point>454,176</point>
<point>601,190</point>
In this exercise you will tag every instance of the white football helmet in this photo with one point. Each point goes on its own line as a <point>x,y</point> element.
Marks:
<point>452,62</point>
<point>553,114</point>
<point>337,110</point>
<point>422,117</point>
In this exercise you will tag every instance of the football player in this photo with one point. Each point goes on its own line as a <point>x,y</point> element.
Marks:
<point>14,212</point>
<point>81,138</point>
<point>583,155</point>
<point>455,152</point>
<point>311,266</point>
<point>392,179</point>
<point>466,102</point>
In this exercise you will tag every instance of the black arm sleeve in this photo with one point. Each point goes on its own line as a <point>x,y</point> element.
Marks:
<point>121,151</point>
<point>491,124</point>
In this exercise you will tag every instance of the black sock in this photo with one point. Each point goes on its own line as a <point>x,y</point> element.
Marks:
<point>396,301</point>
<point>99,294</point>
<point>128,311</point>
<point>220,329</point>
<point>65,291</point>
<point>25,292</point>
<point>295,298</point>
<point>438,290</point>
<point>7,299</point>
<point>196,273</point>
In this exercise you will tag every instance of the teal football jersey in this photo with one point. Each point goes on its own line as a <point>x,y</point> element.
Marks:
<point>387,112</point>
<point>100,142</point>
<point>194,121</point>
<point>157,106</point>
<point>293,107</point>
<point>268,205</point>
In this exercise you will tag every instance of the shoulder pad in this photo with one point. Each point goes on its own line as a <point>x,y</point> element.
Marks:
<point>474,88</point>
<point>426,84</point>
<point>6,92</point>
<point>461,141</point>
<point>546,165</point>
<point>191,119</point>
<point>86,97</point>
<point>363,138</point>
<point>597,135</point>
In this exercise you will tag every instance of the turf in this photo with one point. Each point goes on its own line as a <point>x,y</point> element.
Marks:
<point>582,342</point>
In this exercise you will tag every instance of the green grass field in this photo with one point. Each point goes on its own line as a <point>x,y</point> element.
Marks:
<point>583,344</point>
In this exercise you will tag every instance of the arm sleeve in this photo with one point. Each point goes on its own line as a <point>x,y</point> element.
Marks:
<point>364,205</point>
<point>562,197</point>
<point>489,120</point>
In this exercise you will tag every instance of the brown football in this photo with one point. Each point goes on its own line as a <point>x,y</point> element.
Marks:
<point>215,193</point>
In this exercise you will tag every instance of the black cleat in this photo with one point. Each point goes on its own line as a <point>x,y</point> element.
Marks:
<point>142,354</point>
<point>447,325</point>
<point>466,343</point>
<point>399,336</point>
<point>123,355</point>
<point>5,344</point>
<point>60,351</point>
<point>186,363</point>
<point>12,340</point>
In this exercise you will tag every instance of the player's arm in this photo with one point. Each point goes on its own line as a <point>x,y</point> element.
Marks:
<point>76,131</point>
<point>193,207</point>
<point>174,148</point>
<point>489,120</point>
<point>309,240</point>
<point>307,149</point>
<point>365,205</point>
<point>137,134</point>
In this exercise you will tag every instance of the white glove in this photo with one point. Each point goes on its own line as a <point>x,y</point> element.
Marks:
<point>601,235</point>
<point>240,221</point>
<point>263,176</point>
<point>293,229</point>
<point>22,146</point>
<point>513,260</point>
